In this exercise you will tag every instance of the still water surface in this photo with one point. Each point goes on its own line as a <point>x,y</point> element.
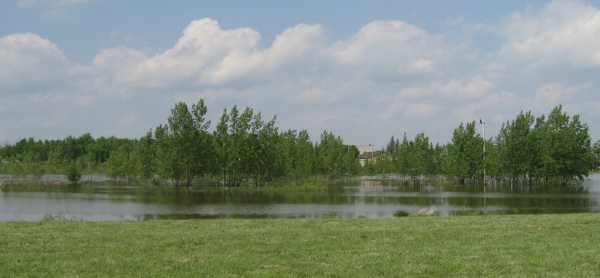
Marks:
<point>111,201</point>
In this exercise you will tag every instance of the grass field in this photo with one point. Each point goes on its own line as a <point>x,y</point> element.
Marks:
<point>565,245</point>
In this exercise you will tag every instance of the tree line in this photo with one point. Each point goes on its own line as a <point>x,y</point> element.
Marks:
<point>555,149</point>
<point>244,149</point>
<point>83,154</point>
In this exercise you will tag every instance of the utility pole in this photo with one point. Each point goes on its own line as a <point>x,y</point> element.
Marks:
<point>484,177</point>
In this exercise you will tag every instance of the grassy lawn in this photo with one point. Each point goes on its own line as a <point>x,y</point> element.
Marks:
<point>565,245</point>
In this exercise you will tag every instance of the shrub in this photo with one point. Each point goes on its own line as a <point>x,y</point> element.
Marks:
<point>61,216</point>
<point>401,213</point>
<point>73,174</point>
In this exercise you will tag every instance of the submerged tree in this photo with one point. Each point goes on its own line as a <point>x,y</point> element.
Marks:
<point>144,157</point>
<point>465,153</point>
<point>567,148</point>
<point>183,146</point>
<point>596,153</point>
<point>515,143</point>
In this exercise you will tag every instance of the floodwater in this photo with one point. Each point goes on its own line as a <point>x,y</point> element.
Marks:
<point>110,201</point>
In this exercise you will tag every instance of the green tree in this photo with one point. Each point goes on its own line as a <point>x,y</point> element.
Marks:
<point>164,155</point>
<point>421,157</point>
<point>402,157</point>
<point>304,155</point>
<point>465,153</point>
<point>515,145</point>
<point>90,163</point>
<point>333,157</point>
<point>121,165</point>
<point>392,145</point>
<point>144,157</point>
<point>596,153</point>
<point>73,173</point>
<point>567,150</point>
<point>221,145</point>
<point>183,146</point>
<point>437,157</point>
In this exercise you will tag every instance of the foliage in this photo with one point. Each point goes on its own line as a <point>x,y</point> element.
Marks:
<point>401,213</point>
<point>121,163</point>
<point>465,153</point>
<point>515,143</point>
<point>334,158</point>
<point>596,153</point>
<point>70,148</point>
<point>144,157</point>
<point>73,173</point>
<point>60,216</point>
<point>555,150</point>
<point>245,150</point>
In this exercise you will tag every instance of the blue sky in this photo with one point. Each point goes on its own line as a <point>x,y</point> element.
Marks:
<point>363,70</point>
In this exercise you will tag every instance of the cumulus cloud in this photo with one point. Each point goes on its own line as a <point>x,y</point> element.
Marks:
<point>28,61</point>
<point>422,110</point>
<point>202,45</point>
<point>564,32</point>
<point>422,66</point>
<point>474,88</point>
<point>553,94</point>
<point>388,77</point>
<point>497,102</point>
<point>208,56</point>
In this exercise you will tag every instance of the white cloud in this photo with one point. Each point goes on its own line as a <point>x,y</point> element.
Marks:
<point>375,40</point>
<point>422,66</point>
<point>474,88</point>
<point>128,121</point>
<point>564,32</point>
<point>118,58</point>
<point>496,102</point>
<point>202,45</point>
<point>387,78</point>
<point>317,95</point>
<point>553,94</point>
<point>422,110</point>
<point>549,94</point>
<point>30,61</point>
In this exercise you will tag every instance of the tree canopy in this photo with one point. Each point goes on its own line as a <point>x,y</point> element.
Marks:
<point>244,149</point>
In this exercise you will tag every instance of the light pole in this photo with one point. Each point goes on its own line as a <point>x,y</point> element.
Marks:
<point>483,128</point>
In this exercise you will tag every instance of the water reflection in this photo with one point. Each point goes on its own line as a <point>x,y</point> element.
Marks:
<point>106,200</point>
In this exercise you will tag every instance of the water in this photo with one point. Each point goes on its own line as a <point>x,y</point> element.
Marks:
<point>105,200</point>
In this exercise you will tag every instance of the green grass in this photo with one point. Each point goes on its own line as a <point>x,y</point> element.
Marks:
<point>474,246</point>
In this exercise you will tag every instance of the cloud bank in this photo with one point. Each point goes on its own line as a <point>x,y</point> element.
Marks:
<point>388,78</point>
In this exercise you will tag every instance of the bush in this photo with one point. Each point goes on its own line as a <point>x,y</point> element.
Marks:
<point>73,174</point>
<point>61,216</point>
<point>401,213</point>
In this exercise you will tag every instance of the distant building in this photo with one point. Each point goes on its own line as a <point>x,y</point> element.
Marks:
<point>365,148</point>
<point>372,156</point>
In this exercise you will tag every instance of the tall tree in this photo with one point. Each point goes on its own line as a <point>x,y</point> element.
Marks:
<point>144,153</point>
<point>465,153</point>
<point>120,164</point>
<point>188,141</point>
<point>596,153</point>
<point>567,151</point>
<point>515,145</point>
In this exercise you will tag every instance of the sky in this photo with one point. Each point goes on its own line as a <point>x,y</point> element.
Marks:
<point>363,70</point>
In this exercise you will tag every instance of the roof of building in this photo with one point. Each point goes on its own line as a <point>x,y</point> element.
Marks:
<point>371,154</point>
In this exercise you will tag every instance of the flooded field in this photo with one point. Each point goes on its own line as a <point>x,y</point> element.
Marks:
<point>107,200</point>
